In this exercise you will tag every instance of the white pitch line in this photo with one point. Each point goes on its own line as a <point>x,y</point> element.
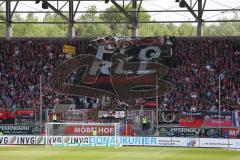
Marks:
<point>163,150</point>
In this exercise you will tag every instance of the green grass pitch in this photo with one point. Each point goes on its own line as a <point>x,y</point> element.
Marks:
<point>122,153</point>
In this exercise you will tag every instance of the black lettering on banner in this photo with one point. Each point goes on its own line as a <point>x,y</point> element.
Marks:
<point>4,140</point>
<point>17,129</point>
<point>83,140</point>
<point>26,140</point>
<point>177,132</point>
<point>54,140</point>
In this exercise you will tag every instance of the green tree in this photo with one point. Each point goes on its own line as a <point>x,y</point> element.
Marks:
<point>121,29</point>
<point>186,29</point>
<point>19,30</point>
<point>223,28</point>
<point>26,29</point>
<point>2,25</point>
<point>38,30</point>
<point>90,29</point>
<point>237,24</point>
<point>54,30</point>
<point>156,29</point>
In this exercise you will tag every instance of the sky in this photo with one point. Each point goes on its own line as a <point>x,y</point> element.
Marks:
<point>148,5</point>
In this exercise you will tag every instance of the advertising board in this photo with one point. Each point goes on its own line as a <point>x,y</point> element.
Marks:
<point>121,141</point>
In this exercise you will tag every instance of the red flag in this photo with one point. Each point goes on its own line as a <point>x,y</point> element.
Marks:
<point>189,121</point>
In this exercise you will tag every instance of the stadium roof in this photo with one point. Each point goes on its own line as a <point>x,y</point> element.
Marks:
<point>161,11</point>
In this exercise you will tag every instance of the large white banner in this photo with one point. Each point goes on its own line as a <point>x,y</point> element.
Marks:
<point>234,143</point>
<point>185,142</point>
<point>17,140</point>
<point>139,141</point>
<point>211,142</point>
<point>125,141</point>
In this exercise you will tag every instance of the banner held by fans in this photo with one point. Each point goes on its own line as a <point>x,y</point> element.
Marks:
<point>68,49</point>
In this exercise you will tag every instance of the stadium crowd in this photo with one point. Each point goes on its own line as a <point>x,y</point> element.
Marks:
<point>22,62</point>
<point>198,64</point>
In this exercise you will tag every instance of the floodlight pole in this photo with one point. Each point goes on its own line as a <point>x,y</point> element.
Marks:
<point>219,97</point>
<point>134,19</point>
<point>157,102</point>
<point>219,100</point>
<point>71,28</point>
<point>41,104</point>
<point>8,32</point>
<point>197,16</point>
<point>200,13</point>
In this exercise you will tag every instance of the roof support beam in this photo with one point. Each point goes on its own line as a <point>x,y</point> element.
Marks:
<point>134,19</point>
<point>14,9</point>
<point>71,18</point>
<point>198,16</point>
<point>74,14</point>
<point>71,29</point>
<point>125,22</point>
<point>200,21</point>
<point>2,18</point>
<point>2,3</point>
<point>191,10</point>
<point>139,7</point>
<point>151,11</point>
<point>8,31</point>
<point>121,9</point>
<point>62,6</point>
<point>56,10</point>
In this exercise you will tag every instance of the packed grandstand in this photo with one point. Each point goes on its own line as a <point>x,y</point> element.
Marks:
<point>119,90</point>
<point>194,68</point>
